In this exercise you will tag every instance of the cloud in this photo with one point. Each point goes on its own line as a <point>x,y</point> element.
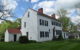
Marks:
<point>48,6</point>
<point>51,7</point>
<point>10,4</point>
<point>32,1</point>
<point>67,3</point>
<point>10,18</point>
<point>75,19</point>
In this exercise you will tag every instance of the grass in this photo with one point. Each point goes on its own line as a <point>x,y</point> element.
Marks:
<point>52,45</point>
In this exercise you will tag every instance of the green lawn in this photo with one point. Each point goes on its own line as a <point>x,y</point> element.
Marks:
<point>53,45</point>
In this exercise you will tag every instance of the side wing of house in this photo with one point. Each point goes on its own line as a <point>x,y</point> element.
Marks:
<point>8,37</point>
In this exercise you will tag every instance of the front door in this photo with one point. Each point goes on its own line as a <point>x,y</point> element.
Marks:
<point>15,38</point>
<point>27,34</point>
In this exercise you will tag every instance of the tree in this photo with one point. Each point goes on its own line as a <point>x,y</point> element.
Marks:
<point>67,24</point>
<point>4,12</point>
<point>18,20</point>
<point>6,25</point>
<point>62,12</point>
<point>64,19</point>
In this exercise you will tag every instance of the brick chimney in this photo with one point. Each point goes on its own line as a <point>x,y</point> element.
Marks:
<point>40,10</point>
<point>53,16</point>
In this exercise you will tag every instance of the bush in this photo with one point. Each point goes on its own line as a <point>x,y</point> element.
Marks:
<point>2,39</point>
<point>23,39</point>
<point>60,37</point>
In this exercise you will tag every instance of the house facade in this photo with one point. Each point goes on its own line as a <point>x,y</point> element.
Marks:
<point>40,27</point>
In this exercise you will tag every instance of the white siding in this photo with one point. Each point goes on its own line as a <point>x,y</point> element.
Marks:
<point>46,28</point>
<point>6,36</point>
<point>31,25</point>
<point>18,35</point>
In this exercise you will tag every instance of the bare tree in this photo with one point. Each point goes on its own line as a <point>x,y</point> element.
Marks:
<point>5,13</point>
<point>62,12</point>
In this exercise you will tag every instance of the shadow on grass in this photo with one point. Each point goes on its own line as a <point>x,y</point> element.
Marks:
<point>74,41</point>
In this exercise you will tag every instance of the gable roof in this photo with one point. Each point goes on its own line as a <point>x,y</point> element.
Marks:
<point>45,15</point>
<point>14,31</point>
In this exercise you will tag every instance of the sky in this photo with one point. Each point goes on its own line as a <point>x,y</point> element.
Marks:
<point>19,7</point>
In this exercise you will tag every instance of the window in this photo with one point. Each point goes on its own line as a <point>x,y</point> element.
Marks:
<point>46,34</point>
<point>46,23</point>
<point>56,24</point>
<point>41,22</point>
<point>41,34</point>
<point>53,23</point>
<point>28,14</point>
<point>58,32</point>
<point>24,24</point>
<point>60,24</point>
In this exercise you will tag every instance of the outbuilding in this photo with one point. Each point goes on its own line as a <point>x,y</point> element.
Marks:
<point>12,35</point>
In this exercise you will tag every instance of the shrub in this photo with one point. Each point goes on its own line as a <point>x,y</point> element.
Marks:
<point>60,37</point>
<point>23,39</point>
<point>2,39</point>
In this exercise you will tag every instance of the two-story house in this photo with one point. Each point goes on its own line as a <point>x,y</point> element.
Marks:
<point>40,27</point>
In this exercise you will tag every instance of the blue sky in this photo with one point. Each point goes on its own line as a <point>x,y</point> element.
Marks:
<point>49,6</point>
<point>23,6</point>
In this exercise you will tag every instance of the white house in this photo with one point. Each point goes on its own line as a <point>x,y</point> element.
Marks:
<point>40,27</point>
<point>36,26</point>
<point>12,35</point>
